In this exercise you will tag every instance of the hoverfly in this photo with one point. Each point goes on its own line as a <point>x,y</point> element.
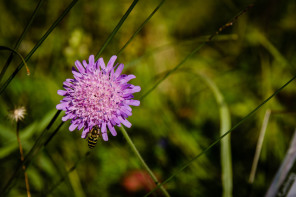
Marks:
<point>93,138</point>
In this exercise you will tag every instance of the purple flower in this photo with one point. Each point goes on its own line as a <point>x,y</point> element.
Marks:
<point>98,95</point>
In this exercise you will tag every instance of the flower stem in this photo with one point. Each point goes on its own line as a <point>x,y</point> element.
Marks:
<point>135,150</point>
<point>22,159</point>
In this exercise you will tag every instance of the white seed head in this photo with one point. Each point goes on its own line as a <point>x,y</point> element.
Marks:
<point>18,113</point>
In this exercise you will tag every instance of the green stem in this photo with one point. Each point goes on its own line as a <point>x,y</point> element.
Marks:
<point>8,61</point>
<point>135,150</point>
<point>225,125</point>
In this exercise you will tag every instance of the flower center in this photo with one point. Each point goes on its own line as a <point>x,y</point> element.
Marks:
<point>97,97</point>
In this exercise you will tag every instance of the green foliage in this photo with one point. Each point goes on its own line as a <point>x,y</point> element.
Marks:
<point>177,120</point>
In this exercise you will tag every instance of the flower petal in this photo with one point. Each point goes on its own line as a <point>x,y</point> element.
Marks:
<point>98,65</point>
<point>73,127</point>
<point>85,64</point>
<point>133,90</point>
<point>80,126</point>
<point>102,63</point>
<point>132,102</point>
<point>98,95</point>
<point>127,78</point>
<point>116,120</point>
<point>62,106</point>
<point>66,117</point>
<point>118,70</point>
<point>111,63</point>
<point>91,60</point>
<point>125,122</point>
<point>112,129</point>
<point>85,132</point>
<point>76,74</point>
<point>123,110</point>
<point>62,92</point>
<point>68,84</point>
<point>79,66</point>
<point>104,131</point>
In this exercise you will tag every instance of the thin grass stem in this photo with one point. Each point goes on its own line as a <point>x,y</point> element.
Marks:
<point>259,146</point>
<point>141,27</point>
<point>115,30</point>
<point>210,38</point>
<point>172,71</point>
<point>221,137</point>
<point>16,52</point>
<point>34,150</point>
<point>135,150</point>
<point>4,86</point>
<point>62,179</point>
<point>8,61</point>
<point>108,40</point>
<point>225,125</point>
<point>22,159</point>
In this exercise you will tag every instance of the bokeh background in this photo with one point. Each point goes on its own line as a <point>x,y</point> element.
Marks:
<point>247,61</point>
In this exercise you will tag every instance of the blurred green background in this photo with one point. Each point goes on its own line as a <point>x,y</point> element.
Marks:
<point>180,118</point>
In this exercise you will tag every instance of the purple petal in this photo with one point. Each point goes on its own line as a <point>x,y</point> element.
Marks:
<point>124,116</point>
<point>79,66</point>
<point>128,96</point>
<point>111,62</point>
<point>76,74</point>
<point>127,78</point>
<point>118,70</point>
<point>112,129</point>
<point>62,106</point>
<point>105,136</point>
<point>104,131</point>
<point>98,65</point>
<point>66,117</point>
<point>128,113</point>
<point>103,128</point>
<point>102,63</point>
<point>68,84</point>
<point>132,102</point>
<point>91,60</point>
<point>85,64</point>
<point>133,90</point>
<point>80,126</point>
<point>136,89</point>
<point>125,122</point>
<point>127,107</point>
<point>73,127</point>
<point>113,122</point>
<point>90,66</point>
<point>85,132</point>
<point>66,99</point>
<point>62,92</point>
<point>116,120</point>
<point>70,80</point>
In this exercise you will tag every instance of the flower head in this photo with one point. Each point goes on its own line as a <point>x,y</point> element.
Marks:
<point>18,113</point>
<point>98,95</point>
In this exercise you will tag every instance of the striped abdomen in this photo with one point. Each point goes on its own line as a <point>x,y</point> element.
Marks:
<point>93,138</point>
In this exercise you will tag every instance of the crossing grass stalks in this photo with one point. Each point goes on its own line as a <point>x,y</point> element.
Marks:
<point>167,100</point>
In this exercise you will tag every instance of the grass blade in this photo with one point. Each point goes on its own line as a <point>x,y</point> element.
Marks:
<point>115,30</point>
<point>210,38</point>
<point>20,40</point>
<point>30,155</point>
<point>225,125</point>
<point>141,27</point>
<point>221,137</point>
<point>38,44</point>
<point>259,146</point>
<point>14,51</point>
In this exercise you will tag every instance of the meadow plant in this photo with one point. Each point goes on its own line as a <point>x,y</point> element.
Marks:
<point>98,96</point>
<point>167,137</point>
